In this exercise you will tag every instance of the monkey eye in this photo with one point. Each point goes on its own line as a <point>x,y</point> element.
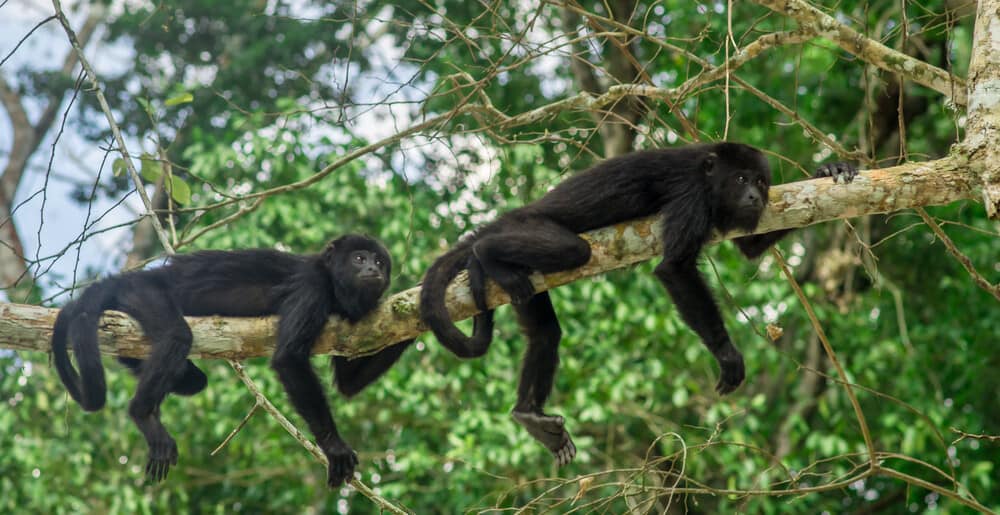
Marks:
<point>359,258</point>
<point>378,262</point>
<point>742,179</point>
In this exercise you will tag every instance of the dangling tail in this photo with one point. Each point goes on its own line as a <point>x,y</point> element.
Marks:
<point>434,313</point>
<point>77,321</point>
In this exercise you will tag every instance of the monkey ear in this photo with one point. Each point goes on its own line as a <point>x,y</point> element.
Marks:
<point>328,252</point>
<point>709,163</point>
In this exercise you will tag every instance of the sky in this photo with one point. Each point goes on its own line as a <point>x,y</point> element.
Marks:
<point>48,220</point>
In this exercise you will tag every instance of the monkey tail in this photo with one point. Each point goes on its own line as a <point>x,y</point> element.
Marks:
<point>434,313</point>
<point>78,321</point>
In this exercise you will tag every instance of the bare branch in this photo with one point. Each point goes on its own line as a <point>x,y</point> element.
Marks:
<point>313,449</point>
<point>992,289</point>
<point>96,86</point>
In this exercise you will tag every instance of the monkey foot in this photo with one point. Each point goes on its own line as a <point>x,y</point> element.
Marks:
<point>162,454</point>
<point>342,460</point>
<point>550,431</point>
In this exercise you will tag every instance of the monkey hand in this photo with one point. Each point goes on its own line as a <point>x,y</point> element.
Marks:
<point>844,171</point>
<point>342,460</point>
<point>731,367</point>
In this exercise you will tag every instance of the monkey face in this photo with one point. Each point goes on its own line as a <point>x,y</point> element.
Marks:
<point>360,269</point>
<point>740,194</point>
<point>368,267</point>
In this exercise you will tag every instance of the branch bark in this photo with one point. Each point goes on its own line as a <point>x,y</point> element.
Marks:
<point>796,204</point>
<point>982,132</point>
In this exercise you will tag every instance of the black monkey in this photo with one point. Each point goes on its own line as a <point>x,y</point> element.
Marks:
<point>346,279</point>
<point>697,188</point>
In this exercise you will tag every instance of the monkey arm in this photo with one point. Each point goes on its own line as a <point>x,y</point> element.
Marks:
<point>755,245</point>
<point>353,375</point>
<point>303,316</point>
<point>698,309</point>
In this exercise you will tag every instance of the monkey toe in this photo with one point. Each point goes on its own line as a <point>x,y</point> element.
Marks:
<point>566,453</point>
<point>550,431</point>
<point>161,456</point>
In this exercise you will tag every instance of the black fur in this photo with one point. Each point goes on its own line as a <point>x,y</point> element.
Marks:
<point>303,290</point>
<point>696,188</point>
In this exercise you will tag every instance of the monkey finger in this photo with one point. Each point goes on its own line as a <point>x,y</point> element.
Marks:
<point>849,172</point>
<point>568,453</point>
<point>333,477</point>
<point>153,471</point>
<point>723,387</point>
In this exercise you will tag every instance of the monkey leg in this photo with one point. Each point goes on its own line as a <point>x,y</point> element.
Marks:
<point>161,320</point>
<point>697,308</point>
<point>191,382</point>
<point>541,359</point>
<point>529,244</point>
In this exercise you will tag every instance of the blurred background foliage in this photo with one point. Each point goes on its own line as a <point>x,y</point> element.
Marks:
<point>280,90</point>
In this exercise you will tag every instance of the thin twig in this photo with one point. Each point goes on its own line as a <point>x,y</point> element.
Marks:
<point>862,422</point>
<point>963,435</point>
<point>236,429</point>
<point>313,449</point>
<point>992,289</point>
<point>122,148</point>
<point>916,481</point>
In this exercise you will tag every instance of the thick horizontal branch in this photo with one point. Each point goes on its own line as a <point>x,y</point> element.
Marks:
<point>791,205</point>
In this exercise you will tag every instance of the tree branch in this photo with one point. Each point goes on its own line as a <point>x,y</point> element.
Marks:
<point>869,50</point>
<point>113,125</point>
<point>796,204</point>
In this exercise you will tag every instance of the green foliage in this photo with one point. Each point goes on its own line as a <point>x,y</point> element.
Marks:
<point>635,384</point>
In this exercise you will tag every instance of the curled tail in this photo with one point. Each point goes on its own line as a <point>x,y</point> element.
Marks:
<point>77,321</point>
<point>434,313</point>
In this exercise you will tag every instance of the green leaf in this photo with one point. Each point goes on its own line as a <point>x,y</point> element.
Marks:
<point>152,170</point>
<point>179,190</point>
<point>183,98</point>
<point>118,167</point>
<point>145,105</point>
